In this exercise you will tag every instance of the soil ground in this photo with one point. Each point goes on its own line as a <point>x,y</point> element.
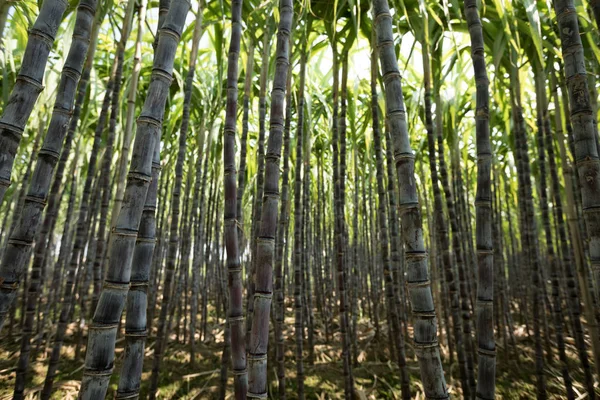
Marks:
<point>375,376</point>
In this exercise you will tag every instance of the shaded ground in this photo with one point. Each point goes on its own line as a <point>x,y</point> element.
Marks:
<point>375,377</point>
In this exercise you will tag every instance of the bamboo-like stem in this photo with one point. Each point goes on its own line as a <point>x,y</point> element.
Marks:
<point>552,258</point>
<point>341,220</point>
<point>197,218</point>
<point>423,310</point>
<point>450,310</point>
<point>528,226</point>
<point>283,222</point>
<point>78,245</point>
<point>235,313</point>
<point>41,248</point>
<point>259,338</point>
<point>104,180</point>
<point>102,332</point>
<point>587,159</point>
<point>159,253</point>
<point>19,197</point>
<point>338,232</point>
<point>260,177</point>
<point>24,94</point>
<point>298,231</point>
<point>194,211</point>
<point>396,249</point>
<point>174,242</point>
<point>459,260</point>
<point>54,286</point>
<point>448,260</point>
<point>249,73</point>
<point>397,339</point>
<point>136,69</point>
<point>137,297</point>
<point>27,328</point>
<point>308,261</point>
<point>19,246</point>
<point>204,232</point>
<point>484,308</point>
<point>356,270</point>
<point>570,252</point>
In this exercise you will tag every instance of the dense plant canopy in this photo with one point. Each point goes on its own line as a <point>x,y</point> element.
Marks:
<point>302,199</point>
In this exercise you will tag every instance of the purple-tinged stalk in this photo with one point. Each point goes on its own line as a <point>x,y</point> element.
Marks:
<point>235,312</point>
<point>419,287</point>
<point>99,361</point>
<point>259,338</point>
